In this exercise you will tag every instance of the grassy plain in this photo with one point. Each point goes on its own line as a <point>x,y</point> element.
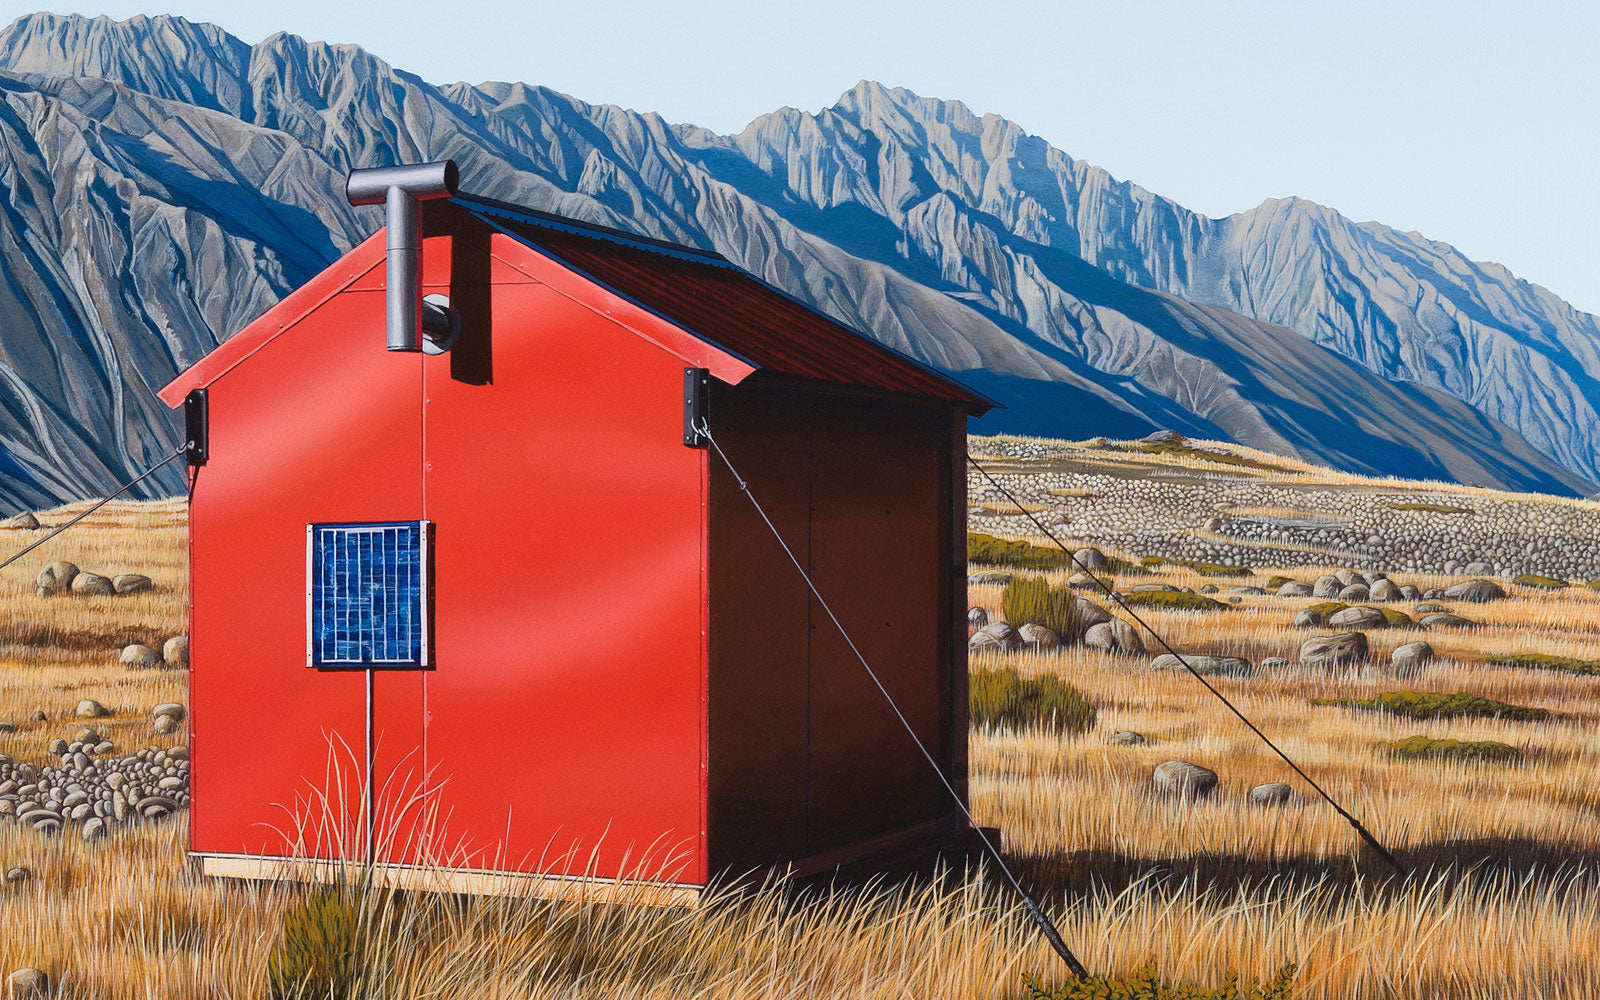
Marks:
<point>1503,898</point>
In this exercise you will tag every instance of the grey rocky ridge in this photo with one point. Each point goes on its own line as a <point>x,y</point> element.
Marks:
<point>164,183</point>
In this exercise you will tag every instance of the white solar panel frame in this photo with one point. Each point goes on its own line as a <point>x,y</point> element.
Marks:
<point>424,590</point>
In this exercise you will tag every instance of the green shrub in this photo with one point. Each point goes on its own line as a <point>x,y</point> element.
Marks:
<point>1272,585</point>
<point>1542,582</point>
<point>1173,600</point>
<point>1396,619</point>
<point>1199,566</point>
<point>1030,599</point>
<point>1426,748</point>
<point>1185,449</point>
<point>1433,705</point>
<point>1324,610</point>
<point>1545,661</point>
<point>1432,508</point>
<point>999,697</point>
<point>1147,984</point>
<point>992,551</point>
<point>318,955</point>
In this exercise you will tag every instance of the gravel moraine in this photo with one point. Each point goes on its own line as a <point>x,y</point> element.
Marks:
<point>88,791</point>
<point>1243,516</point>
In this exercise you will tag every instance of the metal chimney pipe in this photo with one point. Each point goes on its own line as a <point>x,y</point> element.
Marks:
<point>402,189</point>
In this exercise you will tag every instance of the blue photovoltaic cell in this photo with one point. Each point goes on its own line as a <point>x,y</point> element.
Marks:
<point>366,594</point>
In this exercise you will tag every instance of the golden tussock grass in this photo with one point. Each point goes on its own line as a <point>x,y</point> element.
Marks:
<point>1503,901</point>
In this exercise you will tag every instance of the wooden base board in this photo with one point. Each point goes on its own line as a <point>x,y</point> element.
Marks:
<point>914,848</point>
<point>465,881</point>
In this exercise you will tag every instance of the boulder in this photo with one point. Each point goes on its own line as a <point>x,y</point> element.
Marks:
<point>130,583</point>
<point>1354,592</point>
<point>1295,589</point>
<point>1445,619</point>
<point>1083,581</point>
<point>1385,590</point>
<point>24,521</point>
<point>988,578</point>
<point>166,724</point>
<point>1088,613</point>
<point>1327,586</point>
<point>1246,590</point>
<point>1208,666</point>
<point>976,617</point>
<point>1477,569</point>
<point>1275,663</point>
<point>1091,558</point>
<point>27,984</point>
<point>1154,588</point>
<point>1334,650</point>
<point>1210,588</point>
<point>1349,578</point>
<point>88,708</point>
<point>1410,593</point>
<point>56,576</point>
<point>88,584</point>
<point>170,709</point>
<point>1357,617</point>
<point>999,637</point>
<point>1164,437</point>
<point>1433,595</point>
<point>1274,793</point>
<point>140,657</point>
<point>1114,636</point>
<point>1474,592</point>
<point>176,652</point>
<point>1040,637</point>
<point>1183,780</point>
<point>1126,738</point>
<point>1410,657</point>
<point>1433,609</point>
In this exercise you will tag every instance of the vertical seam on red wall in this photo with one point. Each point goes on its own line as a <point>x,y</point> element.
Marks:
<point>424,820</point>
<point>189,631</point>
<point>705,658</point>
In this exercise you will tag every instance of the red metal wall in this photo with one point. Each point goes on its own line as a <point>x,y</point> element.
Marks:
<point>321,425</point>
<point>565,715</point>
<point>805,755</point>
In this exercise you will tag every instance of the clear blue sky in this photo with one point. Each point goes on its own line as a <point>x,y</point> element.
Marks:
<point>1474,123</point>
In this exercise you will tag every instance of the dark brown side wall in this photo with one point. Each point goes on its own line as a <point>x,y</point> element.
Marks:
<point>805,756</point>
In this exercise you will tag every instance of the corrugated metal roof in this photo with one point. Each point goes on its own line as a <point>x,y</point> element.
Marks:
<point>723,304</point>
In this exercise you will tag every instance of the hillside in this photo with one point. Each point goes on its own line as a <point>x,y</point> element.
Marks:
<point>164,183</point>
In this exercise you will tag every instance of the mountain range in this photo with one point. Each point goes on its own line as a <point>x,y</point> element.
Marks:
<point>162,183</point>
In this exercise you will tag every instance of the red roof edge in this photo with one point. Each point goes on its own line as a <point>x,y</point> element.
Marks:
<point>485,209</point>
<point>294,307</point>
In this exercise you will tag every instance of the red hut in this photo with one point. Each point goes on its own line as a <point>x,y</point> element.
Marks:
<point>493,605</point>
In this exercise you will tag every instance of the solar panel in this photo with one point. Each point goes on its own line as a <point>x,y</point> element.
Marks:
<point>366,593</point>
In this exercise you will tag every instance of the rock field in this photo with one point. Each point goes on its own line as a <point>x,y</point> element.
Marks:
<point>1249,509</point>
